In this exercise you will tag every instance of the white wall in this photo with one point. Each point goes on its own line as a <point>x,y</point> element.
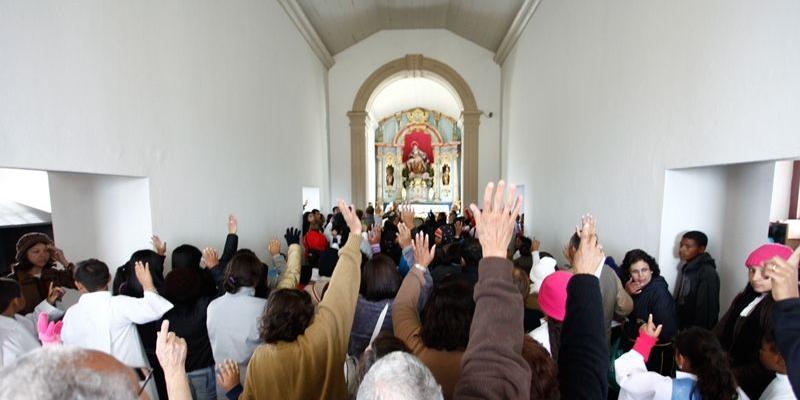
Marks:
<point>599,98</point>
<point>25,187</point>
<point>355,64</point>
<point>694,199</point>
<point>220,104</point>
<point>781,190</point>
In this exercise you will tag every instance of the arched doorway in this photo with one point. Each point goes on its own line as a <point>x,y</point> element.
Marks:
<point>409,66</point>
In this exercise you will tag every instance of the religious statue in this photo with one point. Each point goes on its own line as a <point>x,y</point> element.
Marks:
<point>389,175</point>
<point>446,175</point>
<point>417,161</point>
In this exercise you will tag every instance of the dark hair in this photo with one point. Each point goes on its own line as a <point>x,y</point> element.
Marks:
<point>472,251</point>
<point>133,287</point>
<point>92,274</point>
<point>447,316</point>
<point>554,333</point>
<point>699,238</point>
<point>380,279</point>
<point>287,315</point>
<point>186,256</point>
<point>452,254</point>
<point>525,246</point>
<point>370,210</point>
<point>544,254</point>
<point>707,359</point>
<point>544,371</point>
<point>244,270</point>
<point>306,224</point>
<point>9,290</point>
<point>184,286</point>
<point>327,262</point>
<point>522,281</point>
<point>634,256</point>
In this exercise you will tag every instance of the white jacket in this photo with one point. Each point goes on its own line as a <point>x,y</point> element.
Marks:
<point>100,321</point>
<point>637,383</point>
<point>19,336</point>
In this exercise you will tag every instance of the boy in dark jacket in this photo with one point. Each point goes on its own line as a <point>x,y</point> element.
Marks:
<point>697,292</point>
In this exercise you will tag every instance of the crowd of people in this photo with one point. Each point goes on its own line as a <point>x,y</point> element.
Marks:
<point>387,304</point>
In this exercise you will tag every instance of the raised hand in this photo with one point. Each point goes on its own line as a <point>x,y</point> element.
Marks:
<point>650,329</point>
<point>292,236</point>
<point>233,224</point>
<point>407,215</point>
<point>495,224</point>
<point>228,375</point>
<point>403,235</point>
<point>210,258</point>
<point>590,253</point>
<point>535,245</point>
<point>783,276</point>
<point>632,287</point>
<point>54,294</point>
<point>144,277</point>
<point>422,254</point>
<point>170,350</point>
<point>49,331</point>
<point>159,246</point>
<point>274,247</point>
<point>58,255</point>
<point>374,235</point>
<point>349,214</point>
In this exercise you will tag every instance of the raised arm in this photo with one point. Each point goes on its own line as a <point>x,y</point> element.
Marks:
<point>405,318</point>
<point>231,241</point>
<point>583,354</point>
<point>493,366</point>
<point>786,313</point>
<point>291,274</point>
<point>148,308</point>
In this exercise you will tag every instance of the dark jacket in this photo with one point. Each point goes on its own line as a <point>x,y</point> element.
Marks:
<point>493,366</point>
<point>786,320</point>
<point>35,289</point>
<point>697,293</point>
<point>741,338</point>
<point>367,314</point>
<point>188,321</point>
<point>654,299</point>
<point>584,346</point>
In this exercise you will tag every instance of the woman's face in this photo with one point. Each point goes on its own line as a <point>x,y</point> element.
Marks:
<point>759,282</point>
<point>641,273</point>
<point>38,255</point>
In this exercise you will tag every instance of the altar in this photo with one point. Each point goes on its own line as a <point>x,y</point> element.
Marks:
<point>418,159</point>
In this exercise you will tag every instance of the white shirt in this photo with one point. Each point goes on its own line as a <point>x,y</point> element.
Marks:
<point>778,389</point>
<point>637,383</point>
<point>100,321</point>
<point>232,322</point>
<point>18,335</point>
<point>542,335</point>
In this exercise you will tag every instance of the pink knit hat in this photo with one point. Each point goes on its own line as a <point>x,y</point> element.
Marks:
<point>553,295</point>
<point>765,252</point>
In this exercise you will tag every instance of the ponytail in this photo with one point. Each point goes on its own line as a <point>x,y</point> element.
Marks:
<point>715,379</point>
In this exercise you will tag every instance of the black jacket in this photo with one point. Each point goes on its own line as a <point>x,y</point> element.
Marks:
<point>741,338</point>
<point>188,321</point>
<point>654,299</point>
<point>697,294</point>
<point>786,319</point>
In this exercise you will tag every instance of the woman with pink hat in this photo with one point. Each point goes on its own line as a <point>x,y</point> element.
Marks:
<point>553,302</point>
<point>742,327</point>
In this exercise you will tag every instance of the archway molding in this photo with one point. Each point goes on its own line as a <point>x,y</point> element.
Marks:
<point>413,65</point>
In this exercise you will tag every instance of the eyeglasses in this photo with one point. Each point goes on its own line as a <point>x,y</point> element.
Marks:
<point>144,375</point>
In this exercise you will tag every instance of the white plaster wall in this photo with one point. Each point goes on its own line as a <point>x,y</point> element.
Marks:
<point>749,196</point>
<point>599,98</point>
<point>25,187</point>
<point>220,104</point>
<point>355,64</point>
<point>781,190</point>
<point>683,212</point>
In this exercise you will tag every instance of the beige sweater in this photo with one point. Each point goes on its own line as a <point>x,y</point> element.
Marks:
<point>311,367</point>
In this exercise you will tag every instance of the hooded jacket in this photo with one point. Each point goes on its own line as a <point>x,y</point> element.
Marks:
<point>697,293</point>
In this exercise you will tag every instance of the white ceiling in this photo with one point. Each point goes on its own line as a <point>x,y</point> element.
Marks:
<point>343,23</point>
<point>407,93</point>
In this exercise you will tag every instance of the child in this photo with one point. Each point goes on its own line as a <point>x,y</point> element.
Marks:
<point>779,388</point>
<point>18,334</point>
<point>697,291</point>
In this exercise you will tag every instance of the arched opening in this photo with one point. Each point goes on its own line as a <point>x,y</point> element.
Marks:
<point>414,137</point>
<point>413,66</point>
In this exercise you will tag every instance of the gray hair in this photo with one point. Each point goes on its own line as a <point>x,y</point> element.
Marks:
<point>62,373</point>
<point>399,376</point>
